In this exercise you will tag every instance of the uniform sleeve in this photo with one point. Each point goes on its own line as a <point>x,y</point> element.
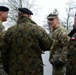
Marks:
<point>45,41</point>
<point>64,38</point>
<point>5,53</point>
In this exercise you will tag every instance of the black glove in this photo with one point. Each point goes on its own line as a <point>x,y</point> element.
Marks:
<point>58,64</point>
<point>72,32</point>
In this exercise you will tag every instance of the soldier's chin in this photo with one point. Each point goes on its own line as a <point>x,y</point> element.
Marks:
<point>51,25</point>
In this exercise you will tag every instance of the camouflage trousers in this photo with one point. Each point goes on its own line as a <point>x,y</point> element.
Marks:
<point>71,65</point>
<point>59,71</point>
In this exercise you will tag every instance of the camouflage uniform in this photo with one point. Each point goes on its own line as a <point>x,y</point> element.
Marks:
<point>60,36</point>
<point>1,39</point>
<point>24,44</point>
<point>71,56</point>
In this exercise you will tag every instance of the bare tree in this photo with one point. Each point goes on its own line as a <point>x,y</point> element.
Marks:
<point>15,4</point>
<point>70,12</point>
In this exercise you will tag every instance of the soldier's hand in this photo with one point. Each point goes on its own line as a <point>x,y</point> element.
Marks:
<point>58,64</point>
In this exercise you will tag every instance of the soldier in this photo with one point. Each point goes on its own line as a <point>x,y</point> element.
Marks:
<point>58,55</point>
<point>71,56</point>
<point>23,46</point>
<point>3,17</point>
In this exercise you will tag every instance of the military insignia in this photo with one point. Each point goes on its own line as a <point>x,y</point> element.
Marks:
<point>72,38</point>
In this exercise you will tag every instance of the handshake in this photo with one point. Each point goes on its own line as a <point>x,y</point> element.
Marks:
<point>56,62</point>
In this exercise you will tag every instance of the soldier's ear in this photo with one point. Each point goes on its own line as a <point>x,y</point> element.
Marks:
<point>0,12</point>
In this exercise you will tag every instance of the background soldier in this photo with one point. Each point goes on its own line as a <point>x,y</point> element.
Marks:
<point>71,56</point>
<point>23,46</point>
<point>58,55</point>
<point>3,17</point>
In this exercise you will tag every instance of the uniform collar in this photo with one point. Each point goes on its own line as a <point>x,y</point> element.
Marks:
<point>24,19</point>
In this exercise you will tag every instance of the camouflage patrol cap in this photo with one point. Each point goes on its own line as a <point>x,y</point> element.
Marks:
<point>4,8</point>
<point>52,16</point>
<point>25,10</point>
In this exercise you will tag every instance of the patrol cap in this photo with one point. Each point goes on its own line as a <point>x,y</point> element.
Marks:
<point>4,8</point>
<point>51,16</point>
<point>25,10</point>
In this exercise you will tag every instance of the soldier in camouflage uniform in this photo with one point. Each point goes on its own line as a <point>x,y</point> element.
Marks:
<point>23,46</point>
<point>58,54</point>
<point>71,56</point>
<point>3,17</point>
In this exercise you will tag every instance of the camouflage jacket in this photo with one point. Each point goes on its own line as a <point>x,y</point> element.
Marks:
<point>71,56</point>
<point>1,40</point>
<point>72,46</point>
<point>60,35</point>
<point>23,46</point>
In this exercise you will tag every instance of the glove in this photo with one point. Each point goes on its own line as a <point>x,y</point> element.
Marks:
<point>58,64</point>
<point>72,32</point>
<point>56,61</point>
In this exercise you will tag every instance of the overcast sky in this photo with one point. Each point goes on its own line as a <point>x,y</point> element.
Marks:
<point>47,7</point>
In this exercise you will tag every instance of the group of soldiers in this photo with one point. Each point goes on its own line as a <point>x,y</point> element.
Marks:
<point>21,46</point>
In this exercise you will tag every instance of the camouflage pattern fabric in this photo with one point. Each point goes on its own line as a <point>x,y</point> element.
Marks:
<point>23,46</point>
<point>1,39</point>
<point>71,56</point>
<point>59,71</point>
<point>60,35</point>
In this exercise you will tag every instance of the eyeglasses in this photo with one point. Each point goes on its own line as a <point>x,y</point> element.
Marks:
<point>51,19</point>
